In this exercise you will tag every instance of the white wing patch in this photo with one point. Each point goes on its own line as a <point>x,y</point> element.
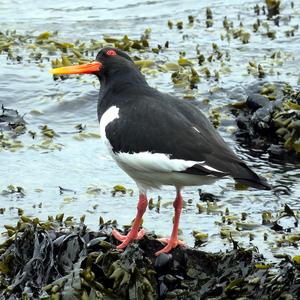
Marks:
<point>196,129</point>
<point>211,168</point>
<point>110,115</point>
<point>153,162</point>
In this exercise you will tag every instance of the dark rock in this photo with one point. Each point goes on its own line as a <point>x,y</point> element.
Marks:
<point>10,119</point>
<point>163,261</point>
<point>277,151</point>
<point>262,117</point>
<point>163,289</point>
<point>94,243</point>
<point>256,101</point>
<point>203,196</point>
<point>243,122</point>
<point>270,120</point>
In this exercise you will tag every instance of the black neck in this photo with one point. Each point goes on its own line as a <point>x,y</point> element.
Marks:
<point>121,73</point>
<point>119,83</point>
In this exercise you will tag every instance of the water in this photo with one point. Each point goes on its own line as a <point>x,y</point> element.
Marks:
<point>80,165</point>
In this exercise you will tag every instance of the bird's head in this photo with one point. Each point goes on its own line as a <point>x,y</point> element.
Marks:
<point>109,63</point>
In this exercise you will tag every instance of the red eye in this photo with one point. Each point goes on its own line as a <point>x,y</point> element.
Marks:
<point>111,53</point>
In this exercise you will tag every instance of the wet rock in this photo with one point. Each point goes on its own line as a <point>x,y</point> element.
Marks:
<point>204,196</point>
<point>270,120</point>
<point>163,289</point>
<point>12,125</point>
<point>11,120</point>
<point>243,123</point>
<point>163,261</point>
<point>256,101</point>
<point>276,151</point>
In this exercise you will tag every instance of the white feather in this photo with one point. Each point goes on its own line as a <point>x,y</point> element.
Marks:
<point>211,169</point>
<point>110,115</point>
<point>154,162</point>
<point>196,129</point>
<point>152,170</point>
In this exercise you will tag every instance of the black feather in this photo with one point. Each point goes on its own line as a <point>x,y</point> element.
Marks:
<point>160,123</point>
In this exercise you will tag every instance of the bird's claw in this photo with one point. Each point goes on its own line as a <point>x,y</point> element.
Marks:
<point>126,239</point>
<point>171,243</point>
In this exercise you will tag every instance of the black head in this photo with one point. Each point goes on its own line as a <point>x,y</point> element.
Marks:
<point>111,65</point>
<point>109,53</point>
<point>115,65</point>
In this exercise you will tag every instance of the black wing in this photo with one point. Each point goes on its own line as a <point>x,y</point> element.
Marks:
<point>160,123</point>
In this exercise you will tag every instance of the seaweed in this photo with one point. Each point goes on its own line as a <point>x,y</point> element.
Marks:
<point>209,18</point>
<point>61,259</point>
<point>12,125</point>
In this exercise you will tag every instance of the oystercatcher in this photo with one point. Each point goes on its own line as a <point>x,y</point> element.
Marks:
<point>156,138</point>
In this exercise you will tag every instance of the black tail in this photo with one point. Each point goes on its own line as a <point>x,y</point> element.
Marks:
<point>248,177</point>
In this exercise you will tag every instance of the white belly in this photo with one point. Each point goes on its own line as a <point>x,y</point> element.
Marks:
<point>154,179</point>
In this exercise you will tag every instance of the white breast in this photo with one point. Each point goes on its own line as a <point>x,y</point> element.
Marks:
<point>110,115</point>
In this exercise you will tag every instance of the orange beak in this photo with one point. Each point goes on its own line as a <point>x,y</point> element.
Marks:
<point>78,69</point>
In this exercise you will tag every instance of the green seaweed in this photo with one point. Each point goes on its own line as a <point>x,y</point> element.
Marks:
<point>54,259</point>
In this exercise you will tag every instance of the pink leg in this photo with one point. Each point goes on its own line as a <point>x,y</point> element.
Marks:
<point>134,233</point>
<point>173,241</point>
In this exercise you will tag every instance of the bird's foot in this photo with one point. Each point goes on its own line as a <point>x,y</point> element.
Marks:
<point>126,239</point>
<point>171,243</point>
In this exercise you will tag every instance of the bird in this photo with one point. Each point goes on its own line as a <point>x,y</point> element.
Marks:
<point>157,139</point>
